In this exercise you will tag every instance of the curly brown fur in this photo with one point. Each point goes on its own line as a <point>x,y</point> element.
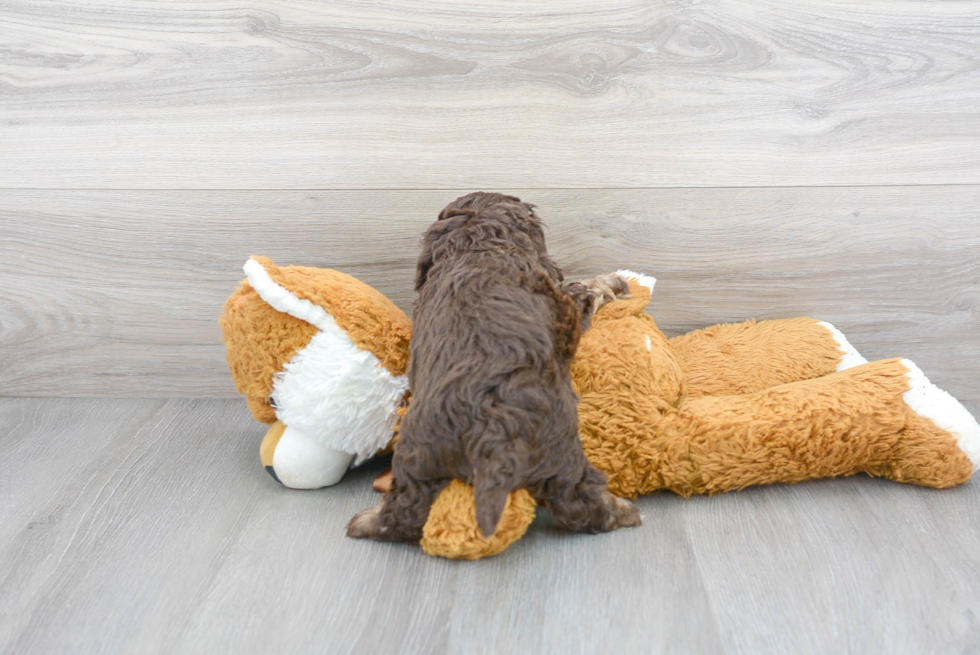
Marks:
<point>492,399</point>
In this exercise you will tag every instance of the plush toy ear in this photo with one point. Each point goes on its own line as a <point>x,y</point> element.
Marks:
<point>451,530</point>
<point>248,324</point>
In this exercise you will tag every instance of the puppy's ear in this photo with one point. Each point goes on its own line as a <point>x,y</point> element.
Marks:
<point>422,268</point>
<point>534,226</point>
<point>427,257</point>
<point>436,241</point>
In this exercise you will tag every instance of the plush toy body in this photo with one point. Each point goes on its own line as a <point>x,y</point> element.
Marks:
<point>775,401</point>
<point>715,410</point>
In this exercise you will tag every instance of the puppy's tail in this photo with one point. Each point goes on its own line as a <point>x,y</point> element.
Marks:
<point>490,490</point>
<point>500,464</point>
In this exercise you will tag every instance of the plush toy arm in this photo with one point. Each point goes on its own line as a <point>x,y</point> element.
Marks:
<point>738,358</point>
<point>884,418</point>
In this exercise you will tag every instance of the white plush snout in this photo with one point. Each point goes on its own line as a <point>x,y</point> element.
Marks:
<point>300,462</point>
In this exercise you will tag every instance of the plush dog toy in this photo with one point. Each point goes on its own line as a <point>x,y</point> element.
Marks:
<point>718,409</point>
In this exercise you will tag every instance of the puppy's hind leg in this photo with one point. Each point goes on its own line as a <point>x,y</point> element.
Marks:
<point>401,514</point>
<point>583,504</point>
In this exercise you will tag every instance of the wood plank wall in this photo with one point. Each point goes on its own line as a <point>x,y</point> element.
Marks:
<point>761,158</point>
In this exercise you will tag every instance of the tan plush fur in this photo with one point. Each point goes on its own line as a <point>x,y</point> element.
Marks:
<point>372,321</point>
<point>270,441</point>
<point>779,413</point>
<point>260,340</point>
<point>738,358</point>
<point>446,535</point>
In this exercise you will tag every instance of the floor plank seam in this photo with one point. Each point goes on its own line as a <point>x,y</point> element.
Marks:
<point>536,188</point>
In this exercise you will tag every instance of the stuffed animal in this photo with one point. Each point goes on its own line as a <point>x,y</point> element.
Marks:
<point>714,410</point>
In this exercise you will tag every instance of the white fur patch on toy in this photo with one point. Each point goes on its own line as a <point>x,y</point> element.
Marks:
<point>302,463</point>
<point>340,395</point>
<point>643,280</point>
<point>928,400</point>
<point>851,357</point>
<point>332,390</point>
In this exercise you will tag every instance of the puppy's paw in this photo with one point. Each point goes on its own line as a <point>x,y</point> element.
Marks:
<point>606,288</point>
<point>364,525</point>
<point>610,286</point>
<point>623,513</point>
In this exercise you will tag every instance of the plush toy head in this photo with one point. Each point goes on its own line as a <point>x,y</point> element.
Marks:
<point>325,355</point>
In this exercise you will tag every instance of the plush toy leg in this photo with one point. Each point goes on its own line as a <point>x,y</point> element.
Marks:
<point>451,529</point>
<point>295,460</point>
<point>882,418</point>
<point>738,358</point>
<point>268,448</point>
<point>932,414</point>
<point>383,482</point>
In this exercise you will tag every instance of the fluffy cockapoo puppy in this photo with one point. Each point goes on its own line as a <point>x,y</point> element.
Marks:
<point>492,399</point>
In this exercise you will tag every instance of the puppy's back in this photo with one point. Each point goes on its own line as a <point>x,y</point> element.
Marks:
<point>486,373</point>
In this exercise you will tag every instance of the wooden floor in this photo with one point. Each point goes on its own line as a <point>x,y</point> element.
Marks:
<point>148,526</point>
<point>762,158</point>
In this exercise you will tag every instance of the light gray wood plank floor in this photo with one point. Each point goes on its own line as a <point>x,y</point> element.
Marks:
<point>149,526</point>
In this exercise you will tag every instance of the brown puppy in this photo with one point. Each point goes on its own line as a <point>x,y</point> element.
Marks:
<point>494,332</point>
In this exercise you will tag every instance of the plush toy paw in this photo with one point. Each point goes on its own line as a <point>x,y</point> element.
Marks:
<point>945,412</point>
<point>940,443</point>
<point>383,482</point>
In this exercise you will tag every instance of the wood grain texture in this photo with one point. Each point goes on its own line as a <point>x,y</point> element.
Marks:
<point>865,560</point>
<point>118,293</point>
<point>149,526</point>
<point>430,94</point>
